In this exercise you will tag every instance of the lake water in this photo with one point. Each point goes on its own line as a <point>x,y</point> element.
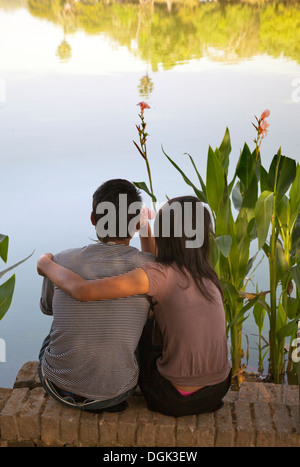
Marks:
<point>70,79</point>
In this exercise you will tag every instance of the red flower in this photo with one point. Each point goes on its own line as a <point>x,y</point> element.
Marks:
<point>263,128</point>
<point>143,105</point>
<point>265,114</point>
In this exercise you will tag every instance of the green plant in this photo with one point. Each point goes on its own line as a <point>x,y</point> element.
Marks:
<point>279,213</point>
<point>259,313</point>
<point>7,288</point>
<point>142,149</point>
<point>233,236</point>
<point>257,214</point>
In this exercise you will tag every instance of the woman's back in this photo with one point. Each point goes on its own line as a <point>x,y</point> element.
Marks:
<point>192,328</point>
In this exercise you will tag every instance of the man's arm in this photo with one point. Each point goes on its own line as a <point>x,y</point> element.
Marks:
<point>132,283</point>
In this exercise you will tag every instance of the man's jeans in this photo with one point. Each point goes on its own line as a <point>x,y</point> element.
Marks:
<point>70,400</point>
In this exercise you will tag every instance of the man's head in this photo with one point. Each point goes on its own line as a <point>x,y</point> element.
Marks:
<point>111,213</point>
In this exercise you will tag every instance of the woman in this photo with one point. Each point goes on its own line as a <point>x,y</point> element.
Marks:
<point>186,369</point>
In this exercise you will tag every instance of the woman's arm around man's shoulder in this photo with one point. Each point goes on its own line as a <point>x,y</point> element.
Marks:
<point>135,282</point>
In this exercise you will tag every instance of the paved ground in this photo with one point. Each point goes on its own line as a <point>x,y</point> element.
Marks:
<point>259,414</point>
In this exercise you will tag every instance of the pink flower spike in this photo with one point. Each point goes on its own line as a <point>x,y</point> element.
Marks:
<point>263,129</point>
<point>143,105</point>
<point>264,125</point>
<point>265,114</point>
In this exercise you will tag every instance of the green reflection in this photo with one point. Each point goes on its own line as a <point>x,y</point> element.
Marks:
<point>164,33</point>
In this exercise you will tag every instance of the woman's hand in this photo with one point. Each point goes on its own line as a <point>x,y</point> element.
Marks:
<point>43,260</point>
<point>146,237</point>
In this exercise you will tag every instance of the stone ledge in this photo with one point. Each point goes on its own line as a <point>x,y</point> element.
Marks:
<point>260,414</point>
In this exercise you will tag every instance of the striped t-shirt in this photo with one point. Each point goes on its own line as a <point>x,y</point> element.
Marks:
<point>92,351</point>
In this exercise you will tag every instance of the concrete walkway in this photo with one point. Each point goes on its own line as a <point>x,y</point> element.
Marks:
<point>259,414</point>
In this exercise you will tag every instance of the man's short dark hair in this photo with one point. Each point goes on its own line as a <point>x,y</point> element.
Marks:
<point>110,191</point>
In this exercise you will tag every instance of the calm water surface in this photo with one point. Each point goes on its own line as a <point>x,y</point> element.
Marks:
<point>71,75</point>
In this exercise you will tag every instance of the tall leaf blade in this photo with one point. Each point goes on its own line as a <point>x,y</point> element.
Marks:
<point>15,265</point>
<point>198,175</point>
<point>143,186</point>
<point>215,181</point>
<point>263,216</point>
<point>197,192</point>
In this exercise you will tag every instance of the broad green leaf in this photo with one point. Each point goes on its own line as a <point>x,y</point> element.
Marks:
<point>263,216</point>
<point>225,150</point>
<point>296,238</point>
<point>287,330</point>
<point>281,211</point>
<point>282,266</point>
<point>224,219</point>
<point>282,172</point>
<point>293,307</point>
<point>240,255</point>
<point>257,163</point>
<point>250,196</point>
<point>280,318</point>
<point>295,271</point>
<point>197,192</point>
<point>143,186</point>
<point>3,247</point>
<point>224,244</point>
<point>215,181</point>
<point>265,184</point>
<point>259,314</point>
<point>245,308</point>
<point>244,249</point>
<point>6,293</point>
<point>294,196</point>
<point>250,263</point>
<point>231,296</point>
<point>237,197</point>
<point>252,228</point>
<point>241,224</point>
<point>246,167</point>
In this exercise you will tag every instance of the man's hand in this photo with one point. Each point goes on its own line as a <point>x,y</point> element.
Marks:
<point>42,261</point>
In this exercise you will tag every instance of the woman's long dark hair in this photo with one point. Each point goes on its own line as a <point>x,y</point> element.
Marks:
<point>171,249</point>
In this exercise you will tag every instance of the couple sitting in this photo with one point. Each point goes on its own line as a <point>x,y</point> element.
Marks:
<point>124,317</point>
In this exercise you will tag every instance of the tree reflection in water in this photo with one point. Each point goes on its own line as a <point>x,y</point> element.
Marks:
<point>168,32</point>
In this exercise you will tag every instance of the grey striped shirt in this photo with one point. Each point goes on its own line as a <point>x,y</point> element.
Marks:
<point>93,344</point>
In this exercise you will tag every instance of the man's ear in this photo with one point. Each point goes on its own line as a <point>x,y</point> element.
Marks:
<point>93,219</point>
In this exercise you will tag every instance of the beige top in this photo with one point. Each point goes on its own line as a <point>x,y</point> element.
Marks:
<point>192,328</point>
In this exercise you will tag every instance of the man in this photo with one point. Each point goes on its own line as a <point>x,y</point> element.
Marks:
<point>90,359</point>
